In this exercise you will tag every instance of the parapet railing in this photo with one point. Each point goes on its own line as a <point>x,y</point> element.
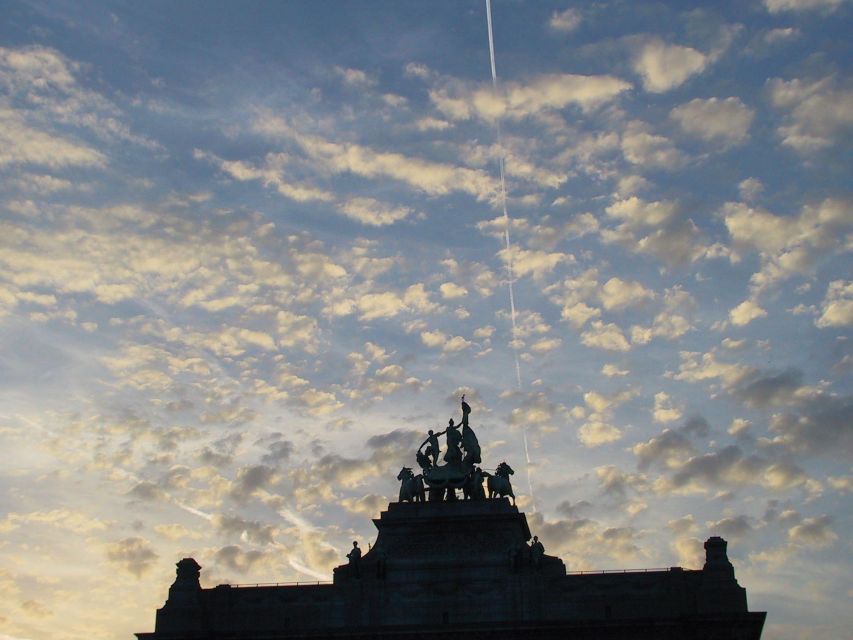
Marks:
<point>568,573</point>
<point>599,571</point>
<point>277,584</point>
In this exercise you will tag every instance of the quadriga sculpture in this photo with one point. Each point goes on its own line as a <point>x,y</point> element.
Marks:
<point>460,471</point>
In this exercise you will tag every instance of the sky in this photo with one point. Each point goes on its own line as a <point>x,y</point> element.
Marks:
<point>250,252</point>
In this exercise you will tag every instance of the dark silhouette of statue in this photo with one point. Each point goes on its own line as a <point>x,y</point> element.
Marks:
<point>499,484</point>
<point>354,558</point>
<point>471,446</point>
<point>411,486</point>
<point>469,438</point>
<point>423,461</point>
<point>433,449</point>
<point>473,489</point>
<point>454,439</point>
<point>537,551</point>
<point>459,471</point>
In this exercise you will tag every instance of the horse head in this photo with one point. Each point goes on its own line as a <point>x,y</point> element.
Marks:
<point>405,473</point>
<point>504,470</point>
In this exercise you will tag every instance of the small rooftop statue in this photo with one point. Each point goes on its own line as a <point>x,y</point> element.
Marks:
<point>462,456</point>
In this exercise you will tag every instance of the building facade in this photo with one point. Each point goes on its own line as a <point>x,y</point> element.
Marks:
<point>464,569</point>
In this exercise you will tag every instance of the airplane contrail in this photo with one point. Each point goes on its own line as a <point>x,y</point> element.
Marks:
<point>508,247</point>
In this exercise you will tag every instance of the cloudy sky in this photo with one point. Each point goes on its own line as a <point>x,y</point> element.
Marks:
<point>251,252</point>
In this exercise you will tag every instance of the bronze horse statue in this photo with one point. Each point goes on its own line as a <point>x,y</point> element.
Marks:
<point>499,484</point>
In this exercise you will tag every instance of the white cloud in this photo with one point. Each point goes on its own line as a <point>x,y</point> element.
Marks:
<point>380,305</point>
<point>484,333</point>
<point>597,433</point>
<point>135,554</point>
<point>597,429</point>
<point>818,112</point>
<point>673,240</point>
<point>36,67</point>
<point>690,552</point>
<point>433,338</point>
<point>22,144</point>
<point>664,66</point>
<point>636,212</point>
<point>749,189</point>
<point>418,299</point>
<point>496,227</point>
<point>837,305</point>
<point>746,312</point>
<point>579,313</point>
<point>64,519</point>
<point>432,124</point>
<point>448,344</point>
<point>739,426</point>
<point>270,174</point>
<point>417,70</point>
<point>532,262</point>
<point>355,77</point>
<point>665,409</point>
<point>813,532</point>
<point>778,6</point>
<point>565,21</point>
<point>613,371</point>
<point>472,276</point>
<point>545,345</point>
<point>780,34</point>
<point>646,149</point>
<point>788,245</point>
<point>372,212</point>
<point>296,330</point>
<point>46,92</point>
<point>456,343</point>
<point>617,294</point>
<point>672,322</point>
<point>432,178</point>
<point>319,403</point>
<point>452,291</point>
<point>605,336</point>
<point>696,367</point>
<point>517,101</point>
<point>714,120</point>
<point>677,244</point>
<point>630,185</point>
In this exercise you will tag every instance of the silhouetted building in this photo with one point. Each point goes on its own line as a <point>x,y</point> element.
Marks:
<point>463,569</point>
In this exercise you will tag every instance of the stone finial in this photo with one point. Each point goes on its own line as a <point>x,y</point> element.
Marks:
<point>186,586</point>
<point>716,558</point>
<point>188,570</point>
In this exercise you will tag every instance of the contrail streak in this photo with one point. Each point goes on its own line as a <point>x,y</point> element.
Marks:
<point>508,248</point>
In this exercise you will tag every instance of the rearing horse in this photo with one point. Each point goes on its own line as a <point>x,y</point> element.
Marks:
<point>499,484</point>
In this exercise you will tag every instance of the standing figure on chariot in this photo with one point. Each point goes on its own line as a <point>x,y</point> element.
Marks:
<point>454,438</point>
<point>469,438</point>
